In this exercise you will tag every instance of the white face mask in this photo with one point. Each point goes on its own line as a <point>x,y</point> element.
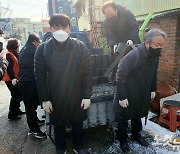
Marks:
<point>60,35</point>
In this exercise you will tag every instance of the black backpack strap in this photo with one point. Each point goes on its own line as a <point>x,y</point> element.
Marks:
<point>45,50</point>
<point>79,46</point>
<point>80,50</point>
<point>45,46</point>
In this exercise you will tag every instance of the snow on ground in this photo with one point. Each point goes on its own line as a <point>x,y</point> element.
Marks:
<point>163,138</point>
<point>160,140</point>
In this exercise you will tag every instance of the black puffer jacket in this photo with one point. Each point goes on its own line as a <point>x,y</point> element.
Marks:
<point>64,76</point>
<point>136,79</point>
<point>26,63</point>
<point>124,29</point>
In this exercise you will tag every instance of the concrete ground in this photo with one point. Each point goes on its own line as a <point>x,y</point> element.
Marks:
<point>14,139</point>
<point>98,140</point>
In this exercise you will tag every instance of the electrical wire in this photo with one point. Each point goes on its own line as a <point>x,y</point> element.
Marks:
<point>32,6</point>
<point>22,3</point>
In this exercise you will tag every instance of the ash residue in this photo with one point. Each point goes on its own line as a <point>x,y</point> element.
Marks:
<point>103,92</point>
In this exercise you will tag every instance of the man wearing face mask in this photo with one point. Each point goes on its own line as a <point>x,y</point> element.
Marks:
<point>136,80</point>
<point>119,27</point>
<point>64,80</point>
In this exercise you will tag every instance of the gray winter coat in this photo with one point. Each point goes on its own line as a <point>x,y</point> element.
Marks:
<point>136,79</point>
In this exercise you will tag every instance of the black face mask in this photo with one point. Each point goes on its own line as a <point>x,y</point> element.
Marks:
<point>155,52</point>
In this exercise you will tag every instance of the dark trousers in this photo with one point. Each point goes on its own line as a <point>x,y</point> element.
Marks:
<point>60,136</point>
<point>30,97</point>
<point>136,127</point>
<point>15,98</point>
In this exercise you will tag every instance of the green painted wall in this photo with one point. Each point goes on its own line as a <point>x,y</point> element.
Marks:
<point>143,7</point>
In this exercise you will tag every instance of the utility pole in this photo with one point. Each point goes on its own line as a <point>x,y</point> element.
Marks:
<point>91,12</point>
<point>93,23</point>
<point>5,14</point>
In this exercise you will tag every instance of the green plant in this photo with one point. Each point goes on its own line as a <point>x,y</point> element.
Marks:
<point>103,44</point>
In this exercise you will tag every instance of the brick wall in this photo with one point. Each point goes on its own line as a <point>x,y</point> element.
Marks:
<point>169,66</point>
<point>95,33</point>
<point>168,71</point>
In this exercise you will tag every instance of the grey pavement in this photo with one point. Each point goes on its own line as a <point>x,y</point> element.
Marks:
<point>14,139</point>
<point>98,140</point>
<point>13,134</point>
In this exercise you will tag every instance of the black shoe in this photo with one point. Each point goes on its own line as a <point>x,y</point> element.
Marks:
<point>141,141</point>
<point>19,112</point>
<point>39,134</point>
<point>31,133</point>
<point>59,151</point>
<point>79,151</point>
<point>14,117</point>
<point>124,146</point>
<point>40,122</point>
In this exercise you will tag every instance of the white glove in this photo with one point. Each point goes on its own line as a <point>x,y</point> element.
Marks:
<point>85,104</point>
<point>115,48</point>
<point>129,42</point>
<point>47,106</point>
<point>153,94</point>
<point>124,103</point>
<point>14,82</point>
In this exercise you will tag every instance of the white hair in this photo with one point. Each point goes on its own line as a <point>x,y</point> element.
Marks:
<point>149,36</point>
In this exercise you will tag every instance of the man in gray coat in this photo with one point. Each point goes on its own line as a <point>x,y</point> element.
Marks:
<point>136,85</point>
<point>63,75</point>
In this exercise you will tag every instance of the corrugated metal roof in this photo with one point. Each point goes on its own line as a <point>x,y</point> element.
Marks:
<point>143,7</point>
<point>161,14</point>
<point>167,13</point>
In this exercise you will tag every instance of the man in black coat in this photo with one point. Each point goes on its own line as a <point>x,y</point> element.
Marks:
<point>136,85</point>
<point>3,64</point>
<point>64,80</point>
<point>119,27</point>
<point>27,85</point>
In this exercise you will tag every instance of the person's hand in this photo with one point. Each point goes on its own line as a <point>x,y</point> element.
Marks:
<point>3,54</point>
<point>115,48</point>
<point>124,103</point>
<point>129,42</point>
<point>85,104</point>
<point>153,94</point>
<point>14,82</point>
<point>47,106</point>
